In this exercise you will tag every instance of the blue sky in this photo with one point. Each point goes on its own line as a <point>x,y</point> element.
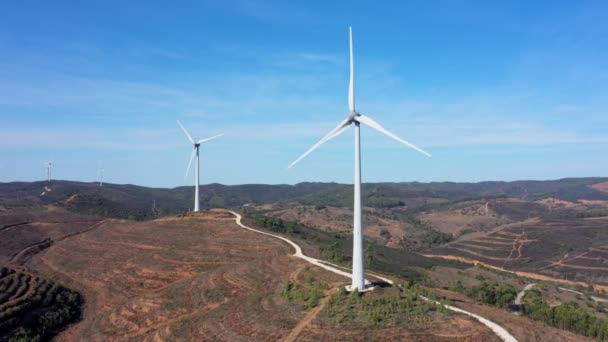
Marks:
<point>499,90</point>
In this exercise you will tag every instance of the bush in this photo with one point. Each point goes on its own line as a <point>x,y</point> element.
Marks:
<point>501,295</point>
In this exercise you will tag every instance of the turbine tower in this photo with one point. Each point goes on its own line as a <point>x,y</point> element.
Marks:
<point>356,118</point>
<point>101,176</point>
<point>195,151</point>
<point>49,169</point>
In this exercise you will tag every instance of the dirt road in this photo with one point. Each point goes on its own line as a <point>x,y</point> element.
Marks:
<point>501,332</point>
<point>521,295</point>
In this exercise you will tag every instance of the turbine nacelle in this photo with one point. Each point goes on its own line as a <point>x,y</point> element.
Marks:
<point>196,144</point>
<point>352,116</point>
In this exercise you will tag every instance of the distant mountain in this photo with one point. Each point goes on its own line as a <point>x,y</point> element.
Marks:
<point>138,202</point>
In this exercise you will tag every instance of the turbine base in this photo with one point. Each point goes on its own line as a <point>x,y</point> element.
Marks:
<point>367,288</point>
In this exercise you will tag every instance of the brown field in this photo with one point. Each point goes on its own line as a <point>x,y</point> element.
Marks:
<point>472,218</point>
<point>201,278</point>
<point>24,233</point>
<point>600,186</point>
<point>554,203</point>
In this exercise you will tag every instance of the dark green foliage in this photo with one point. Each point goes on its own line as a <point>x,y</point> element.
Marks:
<point>568,316</point>
<point>592,213</point>
<point>39,315</point>
<point>435,238</point>
<point>501,295</point>
<point>496,294</point>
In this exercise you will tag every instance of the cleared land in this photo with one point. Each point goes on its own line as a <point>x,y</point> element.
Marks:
<point>199,277</point>
<point>25,232</point>
<point>600,186</point>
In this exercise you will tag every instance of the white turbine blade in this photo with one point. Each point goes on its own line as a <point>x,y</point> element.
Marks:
<point>373,124</point>
<point>190,162</point>
<point>351,84</point>
<point>207,139</point>
<point>332,134</point>
<point>187,134</point>
<point>339,131</point>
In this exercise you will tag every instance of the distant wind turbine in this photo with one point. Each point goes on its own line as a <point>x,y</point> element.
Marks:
<point>49,170</point>
<point>195,151</point>
<point>101,176</point>
<point>356,118</point>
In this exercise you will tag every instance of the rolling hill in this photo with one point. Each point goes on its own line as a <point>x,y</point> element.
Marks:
<point>125,200</point>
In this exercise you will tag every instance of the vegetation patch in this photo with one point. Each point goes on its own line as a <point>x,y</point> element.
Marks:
<point>381,308</point>
<point>337,248</point>
<point>592,213</point>
<point>568,316</point>
<point>303,296</point>
<point>496,294</point>
<point>34,309</point>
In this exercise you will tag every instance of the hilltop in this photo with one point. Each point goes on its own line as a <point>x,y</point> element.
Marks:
<point>138,202</point>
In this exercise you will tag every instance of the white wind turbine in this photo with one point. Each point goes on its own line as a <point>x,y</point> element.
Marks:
<point>196,144</point>
<point>101,170</point>
<point>356,118</point>
<point>49,170</point>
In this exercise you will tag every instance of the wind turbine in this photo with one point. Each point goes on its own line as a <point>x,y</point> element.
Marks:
<point>49,169</point>
<point>101,176</point>
<point>196,144</point>
<point>356,118</point>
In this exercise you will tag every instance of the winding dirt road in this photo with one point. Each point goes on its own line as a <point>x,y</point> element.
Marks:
<point>521,294</point>
<point>501,332</point>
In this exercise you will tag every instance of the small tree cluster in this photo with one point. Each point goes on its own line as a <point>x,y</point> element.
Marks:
<point>497,294</point>
<point>568,316</point>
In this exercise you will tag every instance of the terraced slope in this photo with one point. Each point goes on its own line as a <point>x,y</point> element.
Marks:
<point>32,308</point>
<point>574,249</point>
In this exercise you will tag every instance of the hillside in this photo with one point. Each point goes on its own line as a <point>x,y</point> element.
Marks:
<point>177,275</point>
<point>194,278</point>
<point>137,202</point>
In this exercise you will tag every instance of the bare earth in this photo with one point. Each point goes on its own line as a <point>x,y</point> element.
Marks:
<point>600,186</point>
<point>199,278</point>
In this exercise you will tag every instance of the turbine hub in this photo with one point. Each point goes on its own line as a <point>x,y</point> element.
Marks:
<point>352,116</point>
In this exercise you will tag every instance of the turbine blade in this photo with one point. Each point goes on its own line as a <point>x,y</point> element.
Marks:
<point>339,131</point>
<point>207,139</point>
<point>332,134</point>
<point>351,84</point>
<point>373,124</point>
<point>190,162</point>
<point>187,134</point>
